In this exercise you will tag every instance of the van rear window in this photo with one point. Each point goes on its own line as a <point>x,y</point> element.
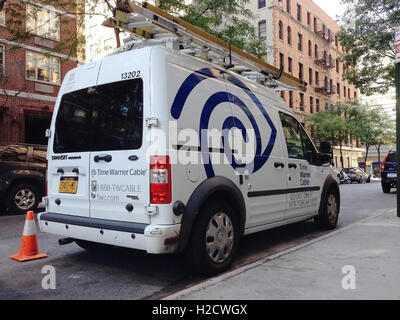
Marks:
<point>103,118</point>
<point>392,157</point>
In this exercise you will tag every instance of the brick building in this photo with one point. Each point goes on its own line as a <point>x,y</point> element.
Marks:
<point>302,37</point>
<point>31,72</point>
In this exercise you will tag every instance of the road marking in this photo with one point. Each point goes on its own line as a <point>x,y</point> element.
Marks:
<point>233,273</point>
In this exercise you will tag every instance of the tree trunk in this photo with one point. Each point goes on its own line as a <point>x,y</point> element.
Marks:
<point>118,40</point>
<point>366,156</point>
<point>341,154</point>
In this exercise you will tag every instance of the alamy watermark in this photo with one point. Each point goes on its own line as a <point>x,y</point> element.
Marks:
<point>349,280</point>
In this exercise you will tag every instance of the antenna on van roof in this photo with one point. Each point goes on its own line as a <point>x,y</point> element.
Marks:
<point>150,25</point>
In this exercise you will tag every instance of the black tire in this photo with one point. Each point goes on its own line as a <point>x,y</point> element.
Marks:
<point>92,246</point>
<point>23,197</point>
<point>328,216</point>
<point>199,257</point>
<point>386,187</point>
<point>369,180</point>
<point>348,181</point>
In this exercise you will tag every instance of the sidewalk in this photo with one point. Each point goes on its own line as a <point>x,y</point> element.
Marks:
<point>313,270</point>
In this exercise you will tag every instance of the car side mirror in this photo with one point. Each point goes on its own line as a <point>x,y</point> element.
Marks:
<point>325,147</point>
<point>325,159</point>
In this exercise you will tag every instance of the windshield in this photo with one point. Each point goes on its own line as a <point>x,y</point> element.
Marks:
<point>103,118</point>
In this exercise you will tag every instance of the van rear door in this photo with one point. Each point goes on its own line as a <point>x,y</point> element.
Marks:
<point>68,150</point>
<point>119,167</point>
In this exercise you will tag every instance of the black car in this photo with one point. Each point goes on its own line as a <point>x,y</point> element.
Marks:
<point>389,171</point>
<point>22,176</point>
<point>357,175</point>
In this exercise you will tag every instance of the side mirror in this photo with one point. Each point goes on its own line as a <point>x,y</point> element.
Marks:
<point>325,159</point>
<point>325,148</point>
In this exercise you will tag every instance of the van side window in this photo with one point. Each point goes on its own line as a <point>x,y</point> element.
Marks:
<point>292,134</point>
<point>309,149</point>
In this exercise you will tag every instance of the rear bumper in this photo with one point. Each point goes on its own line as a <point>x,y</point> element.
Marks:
<point>148,237</point>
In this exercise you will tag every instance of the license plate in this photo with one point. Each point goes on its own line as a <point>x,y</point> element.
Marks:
<point>392,175</point>
<point>68,185</point>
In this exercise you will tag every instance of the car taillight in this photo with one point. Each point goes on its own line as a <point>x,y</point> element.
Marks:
<point>45,182</point>
<point>384,162</point>
<point>160,180</point>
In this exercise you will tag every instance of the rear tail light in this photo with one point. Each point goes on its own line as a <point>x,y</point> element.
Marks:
<point>160,180</point>
<point>384,162</point>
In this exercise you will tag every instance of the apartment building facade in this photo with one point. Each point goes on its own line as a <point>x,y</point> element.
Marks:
<point>31,71</point>
<point>303,39</point>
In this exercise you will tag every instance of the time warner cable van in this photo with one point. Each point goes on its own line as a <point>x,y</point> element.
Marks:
<point>119,175</point>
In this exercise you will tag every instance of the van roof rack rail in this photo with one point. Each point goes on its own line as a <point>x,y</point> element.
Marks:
<point>150,25</point>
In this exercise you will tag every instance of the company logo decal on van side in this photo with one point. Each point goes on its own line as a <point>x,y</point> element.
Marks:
<point>261,156</point>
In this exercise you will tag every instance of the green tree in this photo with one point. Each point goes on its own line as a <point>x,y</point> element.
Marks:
<point>368,41</point>
<point>333,125</point>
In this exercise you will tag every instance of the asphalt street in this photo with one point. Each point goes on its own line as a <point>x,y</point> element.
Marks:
<point>130,274</point>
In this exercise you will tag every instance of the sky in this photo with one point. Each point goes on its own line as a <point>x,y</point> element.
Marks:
<point>331,7</point>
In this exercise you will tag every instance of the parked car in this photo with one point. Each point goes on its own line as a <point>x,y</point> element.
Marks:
<point>344,178</point>
<point>22,176</point>
<point>389,171</point>
<point>357,175</point>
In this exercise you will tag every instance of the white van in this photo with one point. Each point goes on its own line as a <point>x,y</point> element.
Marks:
<point>156,150</point>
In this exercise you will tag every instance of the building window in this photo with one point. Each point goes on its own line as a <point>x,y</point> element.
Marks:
<point>316,78</point>
<point>311,105</point>
<point>309,48</point>
<point>355,95</point>
<point>3,17</point>
<point>316,52</point>
<point>283,95</point>
<point>261,4</point>
<point>338,89</point>
<point>300,71</point>
<point>289,35</point>
<point>344,92</point>
<point>299,12</point>
<point>280,30</point>
<point>300,43</point>
<point>43,22</point>
<point>291,99</point>
<point>288,7</point>
<point>308,18</point>
<point>315,25</point>
<point>348,94</point>
<point>290,65</point>
<point>336,41</point>
<point>262,30</point>
<point>337,65</point>
<point>2,59</point>
<point>281,60</point>
<point>317,104</point>
<point>40,67</point>
<point>310,72</point>
<point>301,101</point>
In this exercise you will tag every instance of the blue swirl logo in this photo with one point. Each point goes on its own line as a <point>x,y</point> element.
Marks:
<point>261,156</point>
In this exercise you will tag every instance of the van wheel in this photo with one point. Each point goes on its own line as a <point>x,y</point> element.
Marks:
<point>91,246</point>
<point>22,197</point>
<point>328,217</point>
<point>214,240</point>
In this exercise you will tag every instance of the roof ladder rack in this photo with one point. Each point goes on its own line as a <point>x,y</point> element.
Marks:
<point>150,25</point>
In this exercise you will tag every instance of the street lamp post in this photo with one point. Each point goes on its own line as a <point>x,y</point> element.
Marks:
<point>397,70</point>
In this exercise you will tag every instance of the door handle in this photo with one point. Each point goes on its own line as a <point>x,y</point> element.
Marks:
<point>279,164</point>
<point>292,166</point>
<point>106,158</point>
<point>60,171</point>
<point>75,170</point>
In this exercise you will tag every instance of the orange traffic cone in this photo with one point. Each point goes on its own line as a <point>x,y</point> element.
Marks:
<point>29,245</point>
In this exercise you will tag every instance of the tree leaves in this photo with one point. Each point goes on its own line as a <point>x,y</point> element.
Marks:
<point>368,40</point>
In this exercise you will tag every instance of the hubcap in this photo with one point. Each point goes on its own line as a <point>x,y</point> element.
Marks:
<point>219,237</point>
<point>332,208</point>
<point>24,199</point>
